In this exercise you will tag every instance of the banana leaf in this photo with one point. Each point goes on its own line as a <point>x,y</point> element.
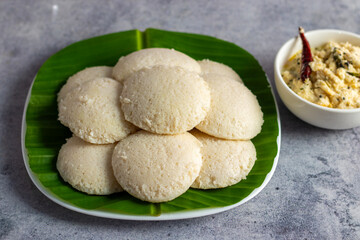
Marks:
<point>44,135</point>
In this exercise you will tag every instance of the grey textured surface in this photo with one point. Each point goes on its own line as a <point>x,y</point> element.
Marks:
<point>315,191</point>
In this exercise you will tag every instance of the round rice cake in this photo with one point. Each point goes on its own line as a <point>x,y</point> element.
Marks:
<point>225,162</point>
<point>83,76</point>
<point>208,66</point>
<point>157,168</point>
<point>234,113</point>
<point>92,112</point>
<point>149,57</point>
<point>165,100</point>
<point>87,167</point>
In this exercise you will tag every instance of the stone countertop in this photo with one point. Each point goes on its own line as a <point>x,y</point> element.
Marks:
<point>315,191</point>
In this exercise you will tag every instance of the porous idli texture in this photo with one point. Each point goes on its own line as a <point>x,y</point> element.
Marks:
<point>165,100</point>
<point>234,113</point>
<point>157,168</point>
<point>208,66</point>
<point>149,57</point>
<point>87,167</point>
<point>92,112</point>
<point>225,162</point>
<point>83,76</point>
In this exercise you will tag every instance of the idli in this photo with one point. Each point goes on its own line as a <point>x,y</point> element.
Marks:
<point>92,112</point>
<point>149,57</point>
<point>234,113</point>
<point>208,66</point>
<point>225,162</point>
<point>157,168</point>
<point>83,76</point>
<point>87,167</point>
<point>165,100</point>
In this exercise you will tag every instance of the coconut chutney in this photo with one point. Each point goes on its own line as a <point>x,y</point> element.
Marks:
<point>335,78</point>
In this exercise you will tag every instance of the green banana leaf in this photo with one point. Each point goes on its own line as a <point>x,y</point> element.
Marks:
<point>44,134</point>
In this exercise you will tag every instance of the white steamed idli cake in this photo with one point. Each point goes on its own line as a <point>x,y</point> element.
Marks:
<point>165,100</point>
<point>147,58</point>
<point>83,76</point>
<point>234,113</point>
<point>92,112</point>
<point>208,66</point>
<point>225,162</point>
<point>157,168</point>
<point>87,167</point>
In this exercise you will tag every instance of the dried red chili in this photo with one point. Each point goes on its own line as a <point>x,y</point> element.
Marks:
<point>306,56</point>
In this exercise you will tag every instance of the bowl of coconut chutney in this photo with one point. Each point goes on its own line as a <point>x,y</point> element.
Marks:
<point>330,96</point>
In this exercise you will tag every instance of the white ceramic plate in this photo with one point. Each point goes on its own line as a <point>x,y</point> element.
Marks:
<point>254,79</point>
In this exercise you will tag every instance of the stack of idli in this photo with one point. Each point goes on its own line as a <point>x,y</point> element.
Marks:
<point>156,124</point>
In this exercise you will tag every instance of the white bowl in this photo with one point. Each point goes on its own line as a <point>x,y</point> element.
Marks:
<point>309,112</point>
